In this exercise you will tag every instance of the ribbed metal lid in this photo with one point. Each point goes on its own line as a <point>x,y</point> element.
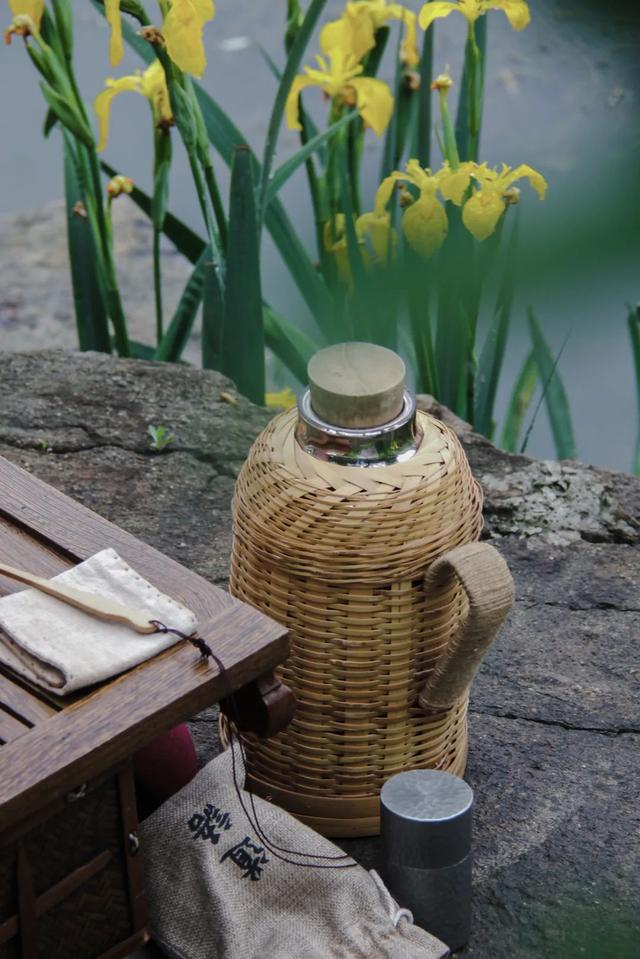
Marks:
<point>426,818</point>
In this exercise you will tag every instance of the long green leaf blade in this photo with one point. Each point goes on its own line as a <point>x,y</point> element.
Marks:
<point>422,135</point>
<point>183,238</point>
<point>633,322</point>
<point>554,392</point>
<point>242,339</point>
<point>293,63</point>
<point>290,166</point>
<point>293,347</point>
<point>521,397</point>
<point>91,316</point>
<point>493,350</point>
<point>172,345</point>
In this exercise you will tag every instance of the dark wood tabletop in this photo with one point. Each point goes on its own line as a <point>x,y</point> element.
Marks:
<point>53,744</point>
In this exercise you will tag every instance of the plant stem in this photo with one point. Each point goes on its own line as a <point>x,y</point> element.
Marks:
<point>216,202</point>
<point>476,84</point>
<point>157,284</point>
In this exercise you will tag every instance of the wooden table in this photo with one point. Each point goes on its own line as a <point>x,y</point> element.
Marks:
<point>51,746</point>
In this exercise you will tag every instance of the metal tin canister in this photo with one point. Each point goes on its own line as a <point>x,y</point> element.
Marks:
<point>426,823</point>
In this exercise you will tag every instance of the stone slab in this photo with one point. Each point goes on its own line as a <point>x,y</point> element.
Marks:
<point>554,721</point>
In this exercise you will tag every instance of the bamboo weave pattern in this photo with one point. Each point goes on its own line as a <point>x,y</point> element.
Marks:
<point>337,554</point>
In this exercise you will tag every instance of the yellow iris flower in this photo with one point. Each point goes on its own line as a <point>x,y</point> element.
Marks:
<point>424,222</point>
<point>380,13</point>
<point>282,400</point>
<point>483,210</point>
<point>344,43</point>
<point>182,32</point>
<point>376,238</point>
<point>517,11</point>
<point>151,84</point>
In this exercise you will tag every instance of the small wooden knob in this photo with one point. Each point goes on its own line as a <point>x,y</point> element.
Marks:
<point>356,385</point>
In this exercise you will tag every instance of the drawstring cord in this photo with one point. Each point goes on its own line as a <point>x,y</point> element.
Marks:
<point>207,653</point>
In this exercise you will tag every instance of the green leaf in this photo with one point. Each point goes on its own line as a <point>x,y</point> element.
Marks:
<point>493,350</point>
<point>293,347</point>
<point>289,167</point>
<point>554,393</point>
<point>171,347</point>
<point>183,238</point>
<point>141,351</point>
<point>519,403</point>
<point>391,136</point>
<point>88,296</point>
<point>294,59</point>
<point>49,122</point>
<point>183,114</point>
<point>224,136</point>
<point>162,168</point>
<point>242,340</point>
<point>472,85</point>
<point>67,115</point>
<point>633,322</point>
<point>422,134</point>
<point>212,317</point>
<point>64,24</point>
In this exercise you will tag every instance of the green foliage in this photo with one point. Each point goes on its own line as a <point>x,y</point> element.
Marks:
<point>633,323</point>
<point>368,278</point>
<point>554,393</point>
<point>159,438</point>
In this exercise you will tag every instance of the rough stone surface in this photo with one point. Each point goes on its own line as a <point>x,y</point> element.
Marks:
<point>36,301</point>
<point>554,716</point>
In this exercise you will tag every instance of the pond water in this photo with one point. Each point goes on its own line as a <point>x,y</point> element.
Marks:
<point>562,96</point>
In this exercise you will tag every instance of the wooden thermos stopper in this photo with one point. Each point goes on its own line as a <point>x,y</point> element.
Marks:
<point>356,385</point>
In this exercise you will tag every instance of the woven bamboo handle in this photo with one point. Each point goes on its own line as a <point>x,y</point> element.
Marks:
<point>489,587</point>
<point>107,609</point>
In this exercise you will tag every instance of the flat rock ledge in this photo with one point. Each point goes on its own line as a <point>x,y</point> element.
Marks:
<point>554,727</point>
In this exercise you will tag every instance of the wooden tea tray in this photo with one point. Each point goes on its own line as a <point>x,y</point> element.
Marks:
<point>51,745</point>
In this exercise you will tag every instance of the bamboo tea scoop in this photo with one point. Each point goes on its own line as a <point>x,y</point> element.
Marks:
<point>92,603</point>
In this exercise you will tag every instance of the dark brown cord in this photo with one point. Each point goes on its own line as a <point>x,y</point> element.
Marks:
<point>206,652</point>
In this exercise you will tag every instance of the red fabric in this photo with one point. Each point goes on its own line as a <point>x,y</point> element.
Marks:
<point>165,765</point>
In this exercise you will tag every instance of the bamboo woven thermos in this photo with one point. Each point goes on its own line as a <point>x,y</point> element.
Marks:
<point>356,520</point>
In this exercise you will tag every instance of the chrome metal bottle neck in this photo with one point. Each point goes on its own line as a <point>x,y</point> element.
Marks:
<point>392,442</point>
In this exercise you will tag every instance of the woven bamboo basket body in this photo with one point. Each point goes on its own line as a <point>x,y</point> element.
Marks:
<point>338,555</point>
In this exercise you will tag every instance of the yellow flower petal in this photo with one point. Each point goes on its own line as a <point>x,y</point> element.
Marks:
<point>425,225</point>
<point>536,179</point>
<point>353,33</point>
<point>385,190</point>
<point>154,88</point>
<point>292,106</point>
<point>409,51</point>
<point>374,230</point>
<point>112,13</point>
<point>374,101</point>
<point>204,9</point>
<point>435,11</point>
<point>517,12</point>
<point>283,399</point>
<point>182,31</point>
<point>454,183</point>
<point>29,8</point>
<point>102,103</point>
<point>482,212</point>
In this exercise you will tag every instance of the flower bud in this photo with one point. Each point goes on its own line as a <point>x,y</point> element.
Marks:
<point>442,82</point>
<point>119,184</point>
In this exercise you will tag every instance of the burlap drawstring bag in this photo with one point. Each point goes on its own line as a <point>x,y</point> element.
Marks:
<point>220,888</point>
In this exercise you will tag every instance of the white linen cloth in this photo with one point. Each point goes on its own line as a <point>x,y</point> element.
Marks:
<point>64,649</point>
